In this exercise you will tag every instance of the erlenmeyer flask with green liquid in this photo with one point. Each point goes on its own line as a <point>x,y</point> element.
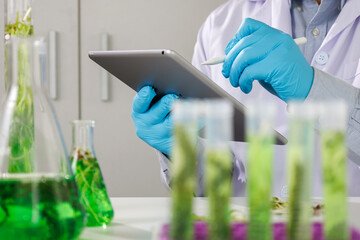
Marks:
<point>39,198</point>
<point>93,194</point>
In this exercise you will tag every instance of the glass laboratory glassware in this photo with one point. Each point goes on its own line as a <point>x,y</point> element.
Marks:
<point>300,165</point>
<point>18,18</point>
<point>333,120</point>
<point>93,194</point>
<point>18,23</point>
<point>183,168</point>
<point>39,196</point>
<point>219,166</point>
<point>260,137</point>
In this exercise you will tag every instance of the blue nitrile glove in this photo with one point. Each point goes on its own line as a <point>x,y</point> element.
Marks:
<point>260,52</point>
<point>153,123</point>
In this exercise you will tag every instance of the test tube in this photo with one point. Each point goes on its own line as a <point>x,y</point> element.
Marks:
<point>260,137</point>
<point>333,121</point>
<point>300,164</point>
<point>218,170</point>
<point>17,10</point>
<point>184,168</point>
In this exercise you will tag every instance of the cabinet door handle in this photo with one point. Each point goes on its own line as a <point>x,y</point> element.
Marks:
<point>104,41</point>
<point>53,65</point>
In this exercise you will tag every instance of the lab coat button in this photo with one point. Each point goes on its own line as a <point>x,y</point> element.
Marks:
<point>322,58</point>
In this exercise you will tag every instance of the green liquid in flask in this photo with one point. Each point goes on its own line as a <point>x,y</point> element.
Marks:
<point>93,194</point>
<point>39,207</point>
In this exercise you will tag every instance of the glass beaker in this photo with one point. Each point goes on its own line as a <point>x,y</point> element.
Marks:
<point>93,194</point>
<point>300,164</point>
<point>333,125</point>
<point>39,197</point>
<point>260,137</point>
<point>184,168</point>
<point>219,166</point>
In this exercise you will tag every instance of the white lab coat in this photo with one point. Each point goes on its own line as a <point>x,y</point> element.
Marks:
<point>341,45</point>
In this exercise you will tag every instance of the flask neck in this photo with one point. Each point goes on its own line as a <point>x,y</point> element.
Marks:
<point>25,63</point>
<point>18,20</point>
<point>16,9</point>
<point>83,133</point>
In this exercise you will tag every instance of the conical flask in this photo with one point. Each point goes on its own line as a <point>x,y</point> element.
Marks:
<point>39,198</point>
<point>93,194</point>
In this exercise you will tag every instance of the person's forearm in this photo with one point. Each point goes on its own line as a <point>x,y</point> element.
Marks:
<point>327,87</point>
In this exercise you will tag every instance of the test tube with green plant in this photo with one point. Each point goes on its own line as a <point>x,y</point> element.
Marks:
<point>183,169</point>
<point>18,25</point>
<point>218,170</point>
<point>300,164</point>
<point>333,150</point>
<point>259,134</point>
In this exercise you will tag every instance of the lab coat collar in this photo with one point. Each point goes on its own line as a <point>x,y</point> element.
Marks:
<point>265,0</point>
<point>347,15</point>
<point>275,13</point>
<point>342,3</point>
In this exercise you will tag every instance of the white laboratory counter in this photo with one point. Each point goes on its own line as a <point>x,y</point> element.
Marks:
<point>139,218</point>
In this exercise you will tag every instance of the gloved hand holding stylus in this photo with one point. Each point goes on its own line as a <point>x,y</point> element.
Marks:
<point>260,52</point>
<point>153,123</point>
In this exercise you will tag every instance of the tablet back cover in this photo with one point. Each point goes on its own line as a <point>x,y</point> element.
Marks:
<point>168,72</point>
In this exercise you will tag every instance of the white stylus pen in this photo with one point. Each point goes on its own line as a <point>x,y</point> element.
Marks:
<point>217,60</point>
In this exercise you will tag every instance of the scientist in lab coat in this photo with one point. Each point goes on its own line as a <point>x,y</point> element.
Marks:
<point>257,37</point>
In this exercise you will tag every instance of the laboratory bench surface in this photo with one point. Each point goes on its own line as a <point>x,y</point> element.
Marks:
<point>140,218</point>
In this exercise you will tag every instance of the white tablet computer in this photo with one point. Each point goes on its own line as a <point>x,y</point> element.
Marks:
<point>168,72</point>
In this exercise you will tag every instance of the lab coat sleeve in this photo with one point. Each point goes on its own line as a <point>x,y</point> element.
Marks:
<point>327,87</point>
<point>165,168</point>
